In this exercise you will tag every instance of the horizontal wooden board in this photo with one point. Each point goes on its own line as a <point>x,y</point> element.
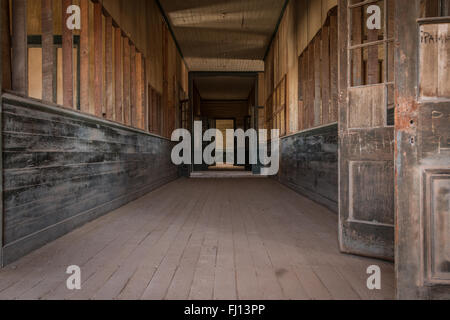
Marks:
<point>62,170</point>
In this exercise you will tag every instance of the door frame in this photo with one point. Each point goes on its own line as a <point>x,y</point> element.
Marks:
<point>198,74</point>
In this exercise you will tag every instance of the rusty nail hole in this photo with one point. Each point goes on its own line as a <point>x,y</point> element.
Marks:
<point>412,122</point>
<point>412,140</point>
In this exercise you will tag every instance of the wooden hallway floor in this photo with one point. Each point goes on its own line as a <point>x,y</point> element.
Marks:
<point>202,239</point>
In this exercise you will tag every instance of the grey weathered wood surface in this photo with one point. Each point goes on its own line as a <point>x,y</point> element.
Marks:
<point>366,160</point>
<point>309,164</point>
<point>62,169</point>
<point>202,239</point>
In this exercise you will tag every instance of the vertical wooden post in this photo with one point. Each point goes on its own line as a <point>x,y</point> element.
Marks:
<point>126,81</point>
<point>98,53</point>
<point>357,56</point>
<point>325,86</point>
<point>317,82</point>
<point>133,86</point>
<point>301,96</point>
<point>67,54</point>
<point>334,79</point>
<point>373,67</point>
<point>165,94</point>
<point>138,109</point>
<point>145,94</point>
<point>48,51</point>
<point>19,47</point>
<point>118,70</point>
<point>6,45</point>
<point>109,69</point>
<point>84,57</point>
<point>150,109</point>
<point>312,86</point>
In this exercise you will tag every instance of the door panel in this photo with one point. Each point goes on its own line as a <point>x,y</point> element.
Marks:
<point>422,153</point>
<point>366,156</point>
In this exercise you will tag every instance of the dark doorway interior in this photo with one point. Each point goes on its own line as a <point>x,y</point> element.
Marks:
<point>223,101</point>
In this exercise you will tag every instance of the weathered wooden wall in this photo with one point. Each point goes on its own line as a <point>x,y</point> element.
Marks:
<point>301,22</point>
<point>309,164</point>
<point>63,169</point>
<point>309,151</point>
<point>149,53</point>
<point>237,110</point>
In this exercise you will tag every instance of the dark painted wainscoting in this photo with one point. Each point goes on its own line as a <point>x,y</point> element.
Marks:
<point>309,164</point>
<point>62,169</point>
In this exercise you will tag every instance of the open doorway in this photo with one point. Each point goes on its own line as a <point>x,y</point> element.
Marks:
<point>224,101</point>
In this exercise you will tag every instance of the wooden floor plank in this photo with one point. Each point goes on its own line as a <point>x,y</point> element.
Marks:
<point>245,239</point>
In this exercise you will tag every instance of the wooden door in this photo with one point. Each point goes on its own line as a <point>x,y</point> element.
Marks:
<point>366,157</point>
<point>423,150</point>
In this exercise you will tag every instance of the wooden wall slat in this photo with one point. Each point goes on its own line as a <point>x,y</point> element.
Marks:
<point>118,88</point>
<point>157,116</point>
<point>145,94</point>
<point>19,47</point>
<point>48,51</point>
<point>334,91</point>
<point>133,96</point>
<point>67,56</point>
<point>98,53</point>
<point>325,86</point>
<point>84,56</point>
<point>357,54</point>
<point>317,82</point>
<point>72,158</point>
<point>139,101</point>
<point>6,44</point>
<point>109,69</point>
<point>165,95</point>
<point>373,66</point>
<point>311,85</point>
<point>150,108</point>
<point>126,82</point>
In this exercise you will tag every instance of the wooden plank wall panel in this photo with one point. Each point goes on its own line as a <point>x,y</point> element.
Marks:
<point>48,51</point>
<point>67,54</point>
<point>19,47</point>
<point>373,66</point>
<point>98,45</point>
<point>317,78</point>
<point>133,93</point>
<point>334,68</point>
<point>309,165</point>
<point>52,161</point>
<point>317,117</point>
<point>84,57</point>
<point>367,107</point>
<point>5,25</point>
<point>357,54</point>
<point>311,86</point>
<point>325,63</point>
<point>145,95</point>
<point>126,82</point>
<point>139,101</point>
<point>109,70</point>
<point>118,87</point>
<point>434,61</point>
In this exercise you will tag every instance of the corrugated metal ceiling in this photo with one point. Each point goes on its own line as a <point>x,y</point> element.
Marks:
<point>223,35</point>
